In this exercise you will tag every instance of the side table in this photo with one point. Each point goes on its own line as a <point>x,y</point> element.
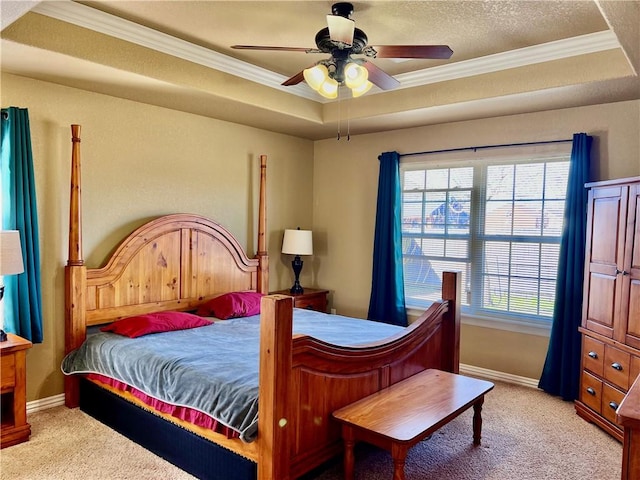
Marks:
<point>13,392</point>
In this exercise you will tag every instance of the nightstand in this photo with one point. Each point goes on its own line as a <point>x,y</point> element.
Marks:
<point>13,391</point>
<point>312,299</point>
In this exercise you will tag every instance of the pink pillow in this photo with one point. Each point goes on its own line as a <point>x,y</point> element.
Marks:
<point>139,325</point>
<point>232,305</point>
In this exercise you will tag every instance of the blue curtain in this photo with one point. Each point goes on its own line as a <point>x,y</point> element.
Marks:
<point>561,372</point>
<point>387,289</point>
<point>23,299</point>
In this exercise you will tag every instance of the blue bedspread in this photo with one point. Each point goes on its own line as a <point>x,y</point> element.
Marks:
<point>213,369</point>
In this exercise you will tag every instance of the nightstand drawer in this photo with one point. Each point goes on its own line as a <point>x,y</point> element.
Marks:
<point>7,372</point>
<point>311,299</point>
<point>316,302</point>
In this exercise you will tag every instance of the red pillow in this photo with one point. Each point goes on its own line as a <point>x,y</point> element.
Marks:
<point>154,323</point>
<point>232,305</point>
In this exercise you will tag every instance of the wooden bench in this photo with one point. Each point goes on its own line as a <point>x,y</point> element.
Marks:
<point>405,413</point>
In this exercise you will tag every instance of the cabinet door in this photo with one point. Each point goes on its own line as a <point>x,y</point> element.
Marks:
<point>630,325</point>
<point>606,228</point>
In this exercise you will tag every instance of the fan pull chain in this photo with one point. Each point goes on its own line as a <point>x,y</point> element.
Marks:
<point>340,119</point>
<point>348,123</point>
<point>339,115</point>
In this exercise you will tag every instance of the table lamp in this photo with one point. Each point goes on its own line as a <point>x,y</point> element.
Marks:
<point>297,242</point>
<point>10,260</point>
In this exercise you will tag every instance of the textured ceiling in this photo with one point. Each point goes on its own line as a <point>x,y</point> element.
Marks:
<point>509,57</point>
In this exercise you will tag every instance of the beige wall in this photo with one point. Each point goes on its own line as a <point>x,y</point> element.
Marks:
<point>345,181</point>
<point>138,162</point>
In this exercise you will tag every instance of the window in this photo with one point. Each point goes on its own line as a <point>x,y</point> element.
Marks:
<point>498,221</point>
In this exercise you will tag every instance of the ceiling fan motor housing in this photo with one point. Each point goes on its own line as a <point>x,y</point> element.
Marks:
<point>325,44</point>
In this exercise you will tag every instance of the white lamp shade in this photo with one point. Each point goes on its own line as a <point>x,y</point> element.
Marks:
<point>10,253</point>
<point>297,242</point>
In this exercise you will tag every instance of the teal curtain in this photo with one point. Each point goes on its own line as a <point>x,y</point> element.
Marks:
<point>387,288</point>
<point>23,299</point>
<point>561,372</point>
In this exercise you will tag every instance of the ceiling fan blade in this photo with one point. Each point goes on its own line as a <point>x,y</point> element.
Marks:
<point>380,78</point>
<point>296,79</point>
<point>265,47</point>
<point>413,51</point>
<point>341,29</point>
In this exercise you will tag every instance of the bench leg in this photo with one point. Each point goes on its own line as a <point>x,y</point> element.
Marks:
<point>349,458</point>
<point>477,420</point>
<point>399,455</point>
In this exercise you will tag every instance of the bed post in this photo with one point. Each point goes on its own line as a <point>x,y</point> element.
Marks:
<point>75,273</point>
<point>263,258</point>
<point>451,291</point>
<point>275,425</point>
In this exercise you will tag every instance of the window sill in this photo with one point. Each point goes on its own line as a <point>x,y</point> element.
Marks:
<point>528,327</point>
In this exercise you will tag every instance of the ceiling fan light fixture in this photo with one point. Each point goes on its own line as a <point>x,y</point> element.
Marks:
<point>362,89</point>
<point>316,76</point>
<point>355,76</point>
<point>329,88</point>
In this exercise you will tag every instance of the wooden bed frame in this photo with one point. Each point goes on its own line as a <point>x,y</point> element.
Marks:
<point>177,262</point>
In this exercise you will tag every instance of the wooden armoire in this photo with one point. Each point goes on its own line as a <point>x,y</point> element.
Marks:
<point>611,305</point>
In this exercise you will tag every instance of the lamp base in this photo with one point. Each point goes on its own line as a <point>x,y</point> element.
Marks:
<point>296,264</point>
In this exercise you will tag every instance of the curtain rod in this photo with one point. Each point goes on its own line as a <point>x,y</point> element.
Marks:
<point>482,147</point>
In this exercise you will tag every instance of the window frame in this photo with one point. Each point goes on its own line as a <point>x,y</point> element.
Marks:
<point>475,314</point>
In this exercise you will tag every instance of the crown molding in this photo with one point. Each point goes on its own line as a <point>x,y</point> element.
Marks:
<point>90,18</point>
<point>545,52</point>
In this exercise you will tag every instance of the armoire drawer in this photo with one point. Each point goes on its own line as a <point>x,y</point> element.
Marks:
<point>593,355</point>
<point>591,391</point>
<point>611,399</point>
<point>616,367</point>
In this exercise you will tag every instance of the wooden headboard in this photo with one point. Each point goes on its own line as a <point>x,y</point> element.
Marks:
<point>171,263</point>
<point>175,262</point>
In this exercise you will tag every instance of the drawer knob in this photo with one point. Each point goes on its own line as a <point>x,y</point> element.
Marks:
<point>591,391</point>
<point>593,354</point>
<point>613,405</point>
<point>616,366</point>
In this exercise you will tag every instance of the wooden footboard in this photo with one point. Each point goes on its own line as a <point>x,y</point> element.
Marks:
<point>303,380</point>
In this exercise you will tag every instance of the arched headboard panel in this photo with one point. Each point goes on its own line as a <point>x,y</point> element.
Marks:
<point>173,262</point>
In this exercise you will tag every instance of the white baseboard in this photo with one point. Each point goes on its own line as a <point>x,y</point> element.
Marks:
<point>44,403</point>
<point>495,375</point>
<point>58,400</point>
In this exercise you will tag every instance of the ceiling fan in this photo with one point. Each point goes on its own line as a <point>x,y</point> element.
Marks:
<point>342,41</point>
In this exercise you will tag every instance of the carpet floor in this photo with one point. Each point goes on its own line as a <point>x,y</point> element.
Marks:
<point>526,435</point>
